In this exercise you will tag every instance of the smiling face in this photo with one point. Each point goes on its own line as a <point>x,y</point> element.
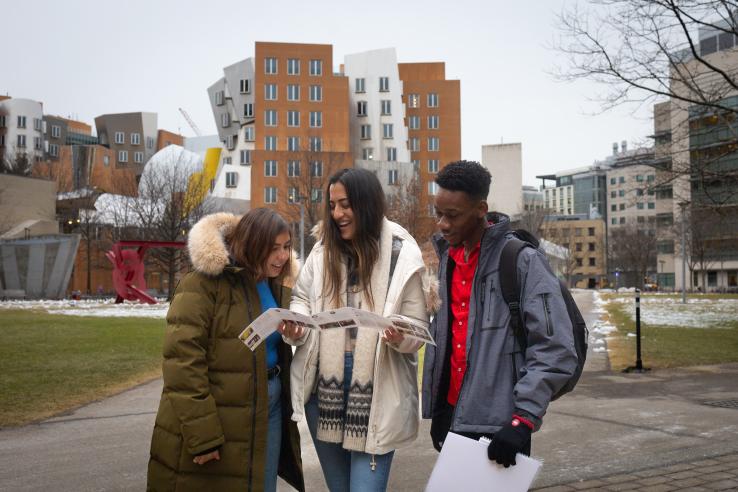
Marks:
<point>341,211</point>
<point>279,255</point>
<point>460,218</point>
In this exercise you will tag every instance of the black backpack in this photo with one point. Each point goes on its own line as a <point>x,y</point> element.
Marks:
<point>511,293</point>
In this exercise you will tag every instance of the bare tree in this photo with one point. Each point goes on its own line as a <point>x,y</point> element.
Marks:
<point>18,162</point>
<point>532,220</point>
<point>171,200</point>
<point>570,262</point>
<point>642,51</point>
<point>632,251</point>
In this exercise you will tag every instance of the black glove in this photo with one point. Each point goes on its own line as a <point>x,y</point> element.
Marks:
<point>509,441</point>
<point>440,426</point>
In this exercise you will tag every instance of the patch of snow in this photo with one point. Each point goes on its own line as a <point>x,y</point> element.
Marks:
<point>105,308</point>
<point>696,313</point>
<point>599,350</point>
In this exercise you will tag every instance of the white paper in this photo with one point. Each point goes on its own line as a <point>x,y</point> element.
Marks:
<point>346,317</point>
<point>463,465</point>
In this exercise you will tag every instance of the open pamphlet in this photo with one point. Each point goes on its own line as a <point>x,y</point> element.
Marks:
<point>334,319</point>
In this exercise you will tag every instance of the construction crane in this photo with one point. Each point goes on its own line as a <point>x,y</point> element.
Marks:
<point>190,122</point>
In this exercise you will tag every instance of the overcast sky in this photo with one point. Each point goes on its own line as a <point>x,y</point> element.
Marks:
<point>83,58</point>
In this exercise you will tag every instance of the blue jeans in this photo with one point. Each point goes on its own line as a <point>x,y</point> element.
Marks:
<point>274,434</point>
<point>345,470</point>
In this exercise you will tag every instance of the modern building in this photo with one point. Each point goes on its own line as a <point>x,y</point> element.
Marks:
<point>131,136</point>
<point>286,121</point>
<point>631,186</point>
<point>22,133</point>
<point>577,191</point>
<point>532,199</point>
<point>505,164</point>
<point>585,261</point>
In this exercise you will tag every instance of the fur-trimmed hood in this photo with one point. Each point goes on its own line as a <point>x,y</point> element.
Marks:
<point>208,250</point>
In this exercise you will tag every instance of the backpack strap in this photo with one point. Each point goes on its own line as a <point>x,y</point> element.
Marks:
<point>510,286</point>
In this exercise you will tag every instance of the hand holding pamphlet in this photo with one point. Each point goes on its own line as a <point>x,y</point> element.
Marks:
<point>340,318</point>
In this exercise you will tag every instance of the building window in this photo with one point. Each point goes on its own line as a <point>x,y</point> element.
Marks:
<point>432,100</point>
<point>392,177</point>
<point>387,130</point>
<point>361,108</point>
<point>248,134</point>
<point>270,92</point>
<point>383,84</point>
<point>433,165</point>
<point>613,194</point>
<point>122,156</point>
<point>316,195</point>
<point>366,132</point>
<point>56,131</point>
<point>21,121</point>
<point>316,67</point>
<point>245,157</point>
<point>219,97</point>
<point>639,206</point>
<point>639,192</point>
<point>367,153</point>
<point>433,144</point>
<point>592,262</point>
<point>432,188</point>
<point>293,196</point>
<point>413,100</point>
<point>413,122</point>
<point>650,178</point>
<point>248,110</point>
<point>414,144</point>
<point>231,180</point>
<point>316,93</point>
<point>360,85</point>
<point>579,246</point>
<point>149,142</point>
<point>391,154</point>
<point>293,92</point>
<point>231,142</point>
<point>665,247</point>
<point>270,66</point>
<point>293,118</point>
<point>225,120</point>
<point>293,169</point>
<point>245,86</point>
<point>591,246</point>
<point>651,205</point>
<point>613,221</point>
<point>270,142</point>
<point>621,180</point>
<point>316,119</point>
<point>138,157</point>
<point>639,178</point>
<point>316,144</point>
<point>120,138</point>
<point>433,122</point>
<point>135,138</point>
<point>622,220</point>
<point>622,206</point>
<point>53,149</point>
<point>293,66</point>
<point>293,144</point>
<point>270,169</point>
<point>613,181</point>
<point>613,208</point>
<point>386,107</point>
<point>590,231</point>
<point>38,124</point>
<point>316,169</point>
<point>2,121</point>
<point>621,193</point>
<point>270,117</point>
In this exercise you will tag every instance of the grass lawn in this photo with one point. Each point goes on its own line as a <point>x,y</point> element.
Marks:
<point>52,363</point>
<point>672,345</point>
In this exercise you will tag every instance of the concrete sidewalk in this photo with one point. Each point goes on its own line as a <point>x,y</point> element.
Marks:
<point>615,432</point>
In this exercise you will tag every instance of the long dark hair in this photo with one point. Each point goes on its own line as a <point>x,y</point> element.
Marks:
<point>252,239</point>
<point>366,198</point>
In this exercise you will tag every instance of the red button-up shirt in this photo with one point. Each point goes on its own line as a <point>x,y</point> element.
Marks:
<point>461,285</point>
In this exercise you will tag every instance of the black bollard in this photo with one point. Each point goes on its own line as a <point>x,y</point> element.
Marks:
<point>639,362</point>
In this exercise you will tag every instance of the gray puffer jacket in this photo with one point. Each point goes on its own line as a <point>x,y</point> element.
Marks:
<point>500,380</point>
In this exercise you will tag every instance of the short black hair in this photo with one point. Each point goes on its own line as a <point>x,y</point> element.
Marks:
<point>468,176</point>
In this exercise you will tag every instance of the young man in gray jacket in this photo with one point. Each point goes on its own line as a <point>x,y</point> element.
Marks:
<point>477,381</point>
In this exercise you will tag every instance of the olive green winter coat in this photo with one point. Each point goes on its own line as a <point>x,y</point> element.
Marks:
<point>215,388</point>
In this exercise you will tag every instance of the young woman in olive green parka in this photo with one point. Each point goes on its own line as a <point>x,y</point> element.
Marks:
<point>222,404</point>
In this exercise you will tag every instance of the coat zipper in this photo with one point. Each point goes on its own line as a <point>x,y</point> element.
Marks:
<point>547,314</point>
<point>256,389</point>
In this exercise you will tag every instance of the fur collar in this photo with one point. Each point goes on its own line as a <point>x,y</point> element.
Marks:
<point>209,252</point>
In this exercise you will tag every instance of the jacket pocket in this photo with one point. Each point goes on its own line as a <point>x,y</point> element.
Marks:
<point>495,312</point>
<point>547,314</point>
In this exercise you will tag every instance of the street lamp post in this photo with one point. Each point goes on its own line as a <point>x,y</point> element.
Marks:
<point>682,206</point>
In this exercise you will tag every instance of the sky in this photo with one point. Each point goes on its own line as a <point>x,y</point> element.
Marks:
<point>84,58</point>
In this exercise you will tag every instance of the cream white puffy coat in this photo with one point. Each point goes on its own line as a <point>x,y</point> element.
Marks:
<point>394,416</point>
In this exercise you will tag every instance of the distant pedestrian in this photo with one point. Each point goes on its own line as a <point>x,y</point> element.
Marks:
<point>478,381</point>
<point>224,418</point>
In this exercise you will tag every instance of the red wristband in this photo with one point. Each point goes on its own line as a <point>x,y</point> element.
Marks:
<point>521,420</point>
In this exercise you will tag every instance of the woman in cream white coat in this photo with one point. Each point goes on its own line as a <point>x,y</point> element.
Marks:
<point>358,387</point>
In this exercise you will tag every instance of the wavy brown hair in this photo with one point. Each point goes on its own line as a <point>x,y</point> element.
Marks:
<point>251,241</point>
<point>366,198</point>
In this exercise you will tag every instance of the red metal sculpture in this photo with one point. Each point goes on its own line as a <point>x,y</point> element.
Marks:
<point>128,268</point>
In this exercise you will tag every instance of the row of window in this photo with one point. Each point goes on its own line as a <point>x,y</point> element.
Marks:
<point>640,220</point>
<point>315,144</point>
<point>639,178</point>
<point>271,92</point>
<point>639,206</point>
<point>120,139</point>
<point>293,118</point>
<point>271,66</point>
<point>138,157</point>
<point>639,192</point>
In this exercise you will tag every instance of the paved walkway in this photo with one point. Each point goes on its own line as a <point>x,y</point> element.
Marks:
<point>615,432</point>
